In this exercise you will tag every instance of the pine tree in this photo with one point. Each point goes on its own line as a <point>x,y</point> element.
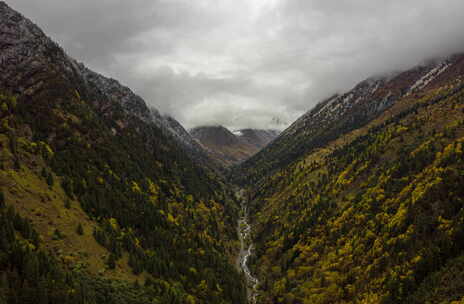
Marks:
<point>31,267</point>
<point>4,108</point>
<point>2,200</point>
<point>149,282</point>
<point>4,244</point>
<point>111,261</point>
<point>3,288</point>
<point>68,187</point>
<point>50,180</point>
<point>17,164</point>
<point>57,235</point>
<point>44,173</point>
<point>80,229</point>
<point>42,288</point>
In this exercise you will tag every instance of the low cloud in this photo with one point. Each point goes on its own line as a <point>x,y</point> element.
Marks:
<point>246,63</point>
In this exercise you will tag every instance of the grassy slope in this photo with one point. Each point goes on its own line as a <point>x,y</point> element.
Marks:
<point>44,205</point>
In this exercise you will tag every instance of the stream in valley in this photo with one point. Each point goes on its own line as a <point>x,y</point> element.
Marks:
<point>246,250</point>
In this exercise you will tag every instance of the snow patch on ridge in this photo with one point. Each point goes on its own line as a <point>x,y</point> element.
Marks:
<point>237,132</point>
<point>428,77</point>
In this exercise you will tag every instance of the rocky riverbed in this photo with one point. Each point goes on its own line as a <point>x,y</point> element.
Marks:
<point>246,250</point>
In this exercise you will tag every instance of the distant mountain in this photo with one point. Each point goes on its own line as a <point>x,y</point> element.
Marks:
<point>345,112</point>
<point>232,147</point>
<point>257,137</point>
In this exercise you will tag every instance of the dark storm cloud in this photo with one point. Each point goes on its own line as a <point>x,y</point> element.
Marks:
<point>242,63</point>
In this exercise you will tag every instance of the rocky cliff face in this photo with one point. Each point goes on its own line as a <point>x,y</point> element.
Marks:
<point>232,147</point>
<point>25,54</point>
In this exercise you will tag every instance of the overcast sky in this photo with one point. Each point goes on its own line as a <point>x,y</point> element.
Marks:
<point>246,63</point>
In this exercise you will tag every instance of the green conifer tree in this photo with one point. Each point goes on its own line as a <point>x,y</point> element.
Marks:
<point>80,229</point>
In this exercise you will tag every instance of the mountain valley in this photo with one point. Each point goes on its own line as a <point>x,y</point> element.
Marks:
<point>103,199</point>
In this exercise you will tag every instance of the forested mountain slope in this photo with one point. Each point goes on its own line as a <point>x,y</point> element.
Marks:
<point>375,215</point>
<point>343,113</point>
<point>98,203</point>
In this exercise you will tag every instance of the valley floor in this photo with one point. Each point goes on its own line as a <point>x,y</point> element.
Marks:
<point>244,229</point>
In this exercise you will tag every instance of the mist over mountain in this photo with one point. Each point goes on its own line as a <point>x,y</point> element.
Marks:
<point>241,63</point>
